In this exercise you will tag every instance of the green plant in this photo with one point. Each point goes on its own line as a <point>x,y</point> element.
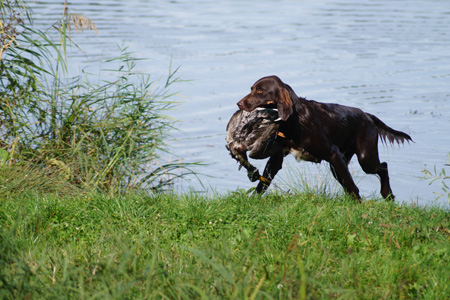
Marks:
<point>109,135</point>
<point>442,176</point>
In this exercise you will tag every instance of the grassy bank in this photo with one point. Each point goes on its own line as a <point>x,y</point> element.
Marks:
<point>226,247</point>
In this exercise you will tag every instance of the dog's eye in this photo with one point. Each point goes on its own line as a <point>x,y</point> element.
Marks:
<point>259,91</point>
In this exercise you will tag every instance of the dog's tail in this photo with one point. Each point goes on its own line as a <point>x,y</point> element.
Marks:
<point>388,134</point>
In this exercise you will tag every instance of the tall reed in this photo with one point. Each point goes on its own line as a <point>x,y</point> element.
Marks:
<point>108,135</point>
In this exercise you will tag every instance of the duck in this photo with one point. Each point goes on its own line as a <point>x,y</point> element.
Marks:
<point>254,132</point>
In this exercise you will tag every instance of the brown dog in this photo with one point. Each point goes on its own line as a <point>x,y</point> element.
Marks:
<point>315,131</point>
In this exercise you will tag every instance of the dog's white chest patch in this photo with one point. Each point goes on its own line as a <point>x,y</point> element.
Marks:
<point>299,155</point>
<point>302,154</point>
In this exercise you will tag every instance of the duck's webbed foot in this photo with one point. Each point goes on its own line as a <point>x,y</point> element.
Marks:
<point>238,152</point>
<point>253,173</point>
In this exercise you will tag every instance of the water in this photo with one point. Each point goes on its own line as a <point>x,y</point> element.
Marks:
<point>387,57</point>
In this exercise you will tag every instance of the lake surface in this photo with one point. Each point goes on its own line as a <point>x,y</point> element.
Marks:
<point>388,57</point>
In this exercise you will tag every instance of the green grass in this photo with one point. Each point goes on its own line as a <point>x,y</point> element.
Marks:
<point>167,246</point>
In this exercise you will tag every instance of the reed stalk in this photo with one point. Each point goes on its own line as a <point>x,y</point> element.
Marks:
<point>110,135</point>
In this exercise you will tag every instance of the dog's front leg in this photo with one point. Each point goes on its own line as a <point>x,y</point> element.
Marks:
<point>272,167</point>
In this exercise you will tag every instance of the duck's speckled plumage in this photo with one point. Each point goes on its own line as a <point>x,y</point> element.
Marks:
<point>254,132</point>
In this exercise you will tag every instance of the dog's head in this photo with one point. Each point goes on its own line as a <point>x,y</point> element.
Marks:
<point>269,91</point>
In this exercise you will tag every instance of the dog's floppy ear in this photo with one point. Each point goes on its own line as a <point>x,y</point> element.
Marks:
<point>284,104</point>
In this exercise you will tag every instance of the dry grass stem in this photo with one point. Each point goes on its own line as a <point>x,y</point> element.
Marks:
<point>81,22</point>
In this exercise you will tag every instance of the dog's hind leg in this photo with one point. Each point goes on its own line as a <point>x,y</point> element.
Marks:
<point>272,167</point>
<point>380,169</point>
<point>386,190</point>
<point>367,152</point>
